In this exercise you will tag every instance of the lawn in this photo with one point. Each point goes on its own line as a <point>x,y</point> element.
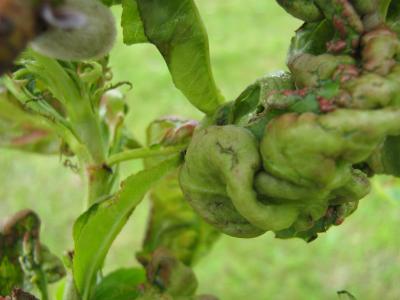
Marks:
<point>248,39</point>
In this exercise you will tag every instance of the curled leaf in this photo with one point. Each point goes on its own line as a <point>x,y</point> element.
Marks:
<point>24,261</point>
<point>176,29</point>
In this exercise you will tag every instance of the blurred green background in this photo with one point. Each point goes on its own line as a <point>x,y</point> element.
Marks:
<point>248,39</point>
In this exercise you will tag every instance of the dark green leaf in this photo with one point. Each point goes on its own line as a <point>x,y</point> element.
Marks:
<point>255,96</point>
<point>97,228</point>
<point>111,2</point>
<point>309,103</point>
<point>311,38</point>
<point>393,16</point>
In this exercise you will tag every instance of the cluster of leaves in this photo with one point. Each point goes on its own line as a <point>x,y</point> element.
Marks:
<point>291,154</point>
<point>24,261</point>
<point>73,109</point>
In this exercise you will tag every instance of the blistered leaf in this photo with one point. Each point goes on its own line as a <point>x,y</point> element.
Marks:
<point>24,261</point>
<point>22,130</point>
<point>173,224</point>
<point>19,294</point>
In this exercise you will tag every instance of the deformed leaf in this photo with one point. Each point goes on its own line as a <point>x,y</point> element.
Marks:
<point>169,278</point>
<point>96,229</point>
<point>167,273</point>
<point>19,294</point>
<point>24,261</point>
<point>22,130</point>
<point>172,223</point>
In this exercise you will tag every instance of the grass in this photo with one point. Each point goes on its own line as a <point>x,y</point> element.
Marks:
<point>247,40</point>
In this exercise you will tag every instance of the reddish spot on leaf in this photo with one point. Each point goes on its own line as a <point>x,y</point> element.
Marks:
<point>336,46</point>
<point>325,105</point>
<point>29,138</point>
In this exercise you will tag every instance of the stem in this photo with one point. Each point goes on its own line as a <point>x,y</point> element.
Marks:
<point>76,99</point>
<point>42,285</point>
<point>98,177</point>
<point>143,153</point>
<point>100,180</point>
<point>91,147</point>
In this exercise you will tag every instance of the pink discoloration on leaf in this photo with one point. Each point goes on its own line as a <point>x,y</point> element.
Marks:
<point>29,138</point>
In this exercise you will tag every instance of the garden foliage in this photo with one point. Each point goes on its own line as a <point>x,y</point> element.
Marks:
<point>292,154</point>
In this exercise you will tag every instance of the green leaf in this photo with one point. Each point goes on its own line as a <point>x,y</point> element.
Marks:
<point>132,25</point>
<point>56,78</point>
<point>311,38</point>
<point>308,104</point>
<point>176,29</point>
<point>96,229</point>
<point>120,285</point>
<point>384,7</point>
<point>393,16</point>
<point>389,156</point>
